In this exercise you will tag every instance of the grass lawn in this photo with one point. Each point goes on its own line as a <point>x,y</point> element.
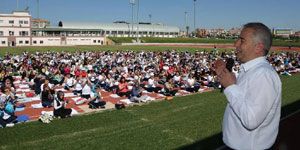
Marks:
<point>276,41</point>
<point>186,122</point>
<point>19,50</point>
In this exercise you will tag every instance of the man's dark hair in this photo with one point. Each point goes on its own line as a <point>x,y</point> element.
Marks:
<point>261,34</point>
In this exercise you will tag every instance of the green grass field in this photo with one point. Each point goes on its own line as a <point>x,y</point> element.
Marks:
<point>276,41</point>
<point>191,122</point>
<point>19,50</point>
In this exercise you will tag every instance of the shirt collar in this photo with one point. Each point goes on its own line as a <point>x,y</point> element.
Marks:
<point>250,64</point>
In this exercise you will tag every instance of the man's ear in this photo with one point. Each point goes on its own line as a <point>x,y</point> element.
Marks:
<point>259,48</point>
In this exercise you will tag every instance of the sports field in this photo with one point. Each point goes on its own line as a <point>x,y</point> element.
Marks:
<point>150,47</point>
<point>190,122</point>
<point>186,122</point>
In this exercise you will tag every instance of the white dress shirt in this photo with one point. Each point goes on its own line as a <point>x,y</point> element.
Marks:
<point>252,115</point>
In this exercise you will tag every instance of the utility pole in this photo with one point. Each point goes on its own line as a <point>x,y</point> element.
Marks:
<point>17,4</point>
<point>132,2</point>
<point>195,16</point>
<point>186,23</point>
<point>150,17</point>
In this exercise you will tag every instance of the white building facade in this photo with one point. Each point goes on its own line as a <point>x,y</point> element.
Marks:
<point>19,29</point>
<point>124,29</point>
<point>15,29</point>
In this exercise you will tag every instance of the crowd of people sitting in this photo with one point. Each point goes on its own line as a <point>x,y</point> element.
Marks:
<point>125,73</point>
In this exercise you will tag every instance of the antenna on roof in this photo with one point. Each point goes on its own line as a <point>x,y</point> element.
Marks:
<point>38,8</point>
<point>27,6</point>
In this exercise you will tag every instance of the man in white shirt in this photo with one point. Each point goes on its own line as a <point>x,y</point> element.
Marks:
<point>252,115</point>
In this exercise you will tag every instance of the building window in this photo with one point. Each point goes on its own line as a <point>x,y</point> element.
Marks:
<point>21,22</point>
<point>26,42</point>
<point>11,32</point>
<point>99,41</point>
<point>20,42</point>
<point>1,33</point>
<point>11,22</point>
<point>23,33</point>
<point>25,22</point>
<point>94,41</point>
<point>34,42</point>
<point>1,21</point>
<point>41,42</point>
<point>3,42</point>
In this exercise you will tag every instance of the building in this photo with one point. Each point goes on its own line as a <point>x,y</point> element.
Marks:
<point>124,29</point>
<point>215,33</point>
<point>297,34</point>
<point>15,29</point>
<point>234,32</point>
<point>40,23</point>
<point>20,29</point>
<point>201,33</point>
<point>282,32</point>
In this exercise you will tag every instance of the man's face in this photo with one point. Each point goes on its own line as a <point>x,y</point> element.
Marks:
<point>245,45</point>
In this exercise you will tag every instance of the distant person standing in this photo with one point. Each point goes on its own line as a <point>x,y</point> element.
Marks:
<point>252,115</point>
<point>215,52</point>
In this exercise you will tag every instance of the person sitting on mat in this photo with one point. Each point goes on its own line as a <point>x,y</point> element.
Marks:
<point>59,106</point>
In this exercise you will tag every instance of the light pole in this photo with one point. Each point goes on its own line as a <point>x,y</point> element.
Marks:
<point>186,23</point>
<point>17,4</point>
<point>132,2</point>
<point>195,16</point>
<point>150,16</point>
<point>137,18</point>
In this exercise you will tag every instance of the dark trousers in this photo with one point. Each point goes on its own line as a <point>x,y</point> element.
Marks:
<point>62,112</point>
<point>46,104</point>
<point>11,119</point>
<point>127,94</point>
<point>94,105</point>
<point>153,89</point>
<point>86,96</point>
<point>2,122</point>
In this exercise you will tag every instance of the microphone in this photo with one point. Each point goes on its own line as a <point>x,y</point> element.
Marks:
<point>229,65</point>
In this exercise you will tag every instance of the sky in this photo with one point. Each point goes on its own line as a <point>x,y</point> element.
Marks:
<point>209,13</point>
